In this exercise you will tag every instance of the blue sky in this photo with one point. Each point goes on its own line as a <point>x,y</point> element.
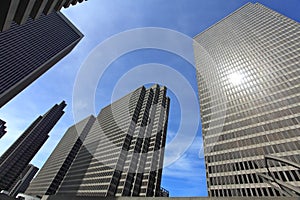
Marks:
<point>100,20</point>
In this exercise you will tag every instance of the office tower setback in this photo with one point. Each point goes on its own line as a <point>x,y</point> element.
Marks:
<point>248,74</point>
<point>52,173</point>
<point>28,51</point>
<point>23,181</point>
<point>21,152</point>
<point>122,154</point>
<point>2,128</point>
<point>20,10</point>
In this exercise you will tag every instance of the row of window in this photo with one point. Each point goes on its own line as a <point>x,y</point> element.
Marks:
<point>255,151</point>
<point>245,192</point>
<point>263,138</point>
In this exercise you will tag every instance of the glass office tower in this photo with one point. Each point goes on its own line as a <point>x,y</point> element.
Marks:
<point>248,70</point>
<point>28,51</point>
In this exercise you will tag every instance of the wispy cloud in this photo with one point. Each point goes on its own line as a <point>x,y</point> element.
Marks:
<point>189,169</point>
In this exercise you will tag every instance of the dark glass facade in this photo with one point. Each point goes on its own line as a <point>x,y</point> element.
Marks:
<point>248,74</point>
<point>22,183</point>
<point>20,10</point>
<point>122,154</point>
<point>53,172</point>
<point>21,152</point>
<point>28,51</point>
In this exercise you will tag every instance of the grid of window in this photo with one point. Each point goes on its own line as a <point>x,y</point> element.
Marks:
<point>50,176</point>
<point>122,154</point>
<point>249,87</point>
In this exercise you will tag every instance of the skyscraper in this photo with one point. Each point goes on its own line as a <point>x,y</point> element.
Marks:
<point>52,173</point>
<point>122,154</point>
<point>20,10</point>
<point>249,88</point>
<point>22,183</point>
<point>2,128</point>
<point>21,152</point>
<point>28,51</point>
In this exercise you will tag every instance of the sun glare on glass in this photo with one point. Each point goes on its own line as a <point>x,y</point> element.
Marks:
<point>236,78</point>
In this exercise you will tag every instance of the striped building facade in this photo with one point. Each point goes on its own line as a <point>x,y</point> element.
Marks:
<point>19,11</point>
<point>122,154</point>
<point>248,70</point>
<point>28,51</point>
<point>53,171</point>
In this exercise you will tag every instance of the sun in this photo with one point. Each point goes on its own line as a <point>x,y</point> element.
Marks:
<point>236,78</point>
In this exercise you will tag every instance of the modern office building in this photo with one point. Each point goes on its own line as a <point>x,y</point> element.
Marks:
<point>28,51</point>
<point>122,154</point>
<point>2,128</point>
<point>21,152</point>
<point>248,71</point>
<point>52,173</point>
<point>22,183</point>
<point>20,10</point>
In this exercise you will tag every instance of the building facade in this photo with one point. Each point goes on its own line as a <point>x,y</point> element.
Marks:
<point>248,71</point>
<point>28,51</point>
<point>2,128</point>
<point>23,181</point>
<point>19,11</point>
<point>21,152</point>
<point>52,173</point>
<point>122,154</point>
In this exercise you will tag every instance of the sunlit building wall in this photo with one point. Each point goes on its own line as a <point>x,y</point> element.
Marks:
<point>248,71</point>
<point>122,154</point>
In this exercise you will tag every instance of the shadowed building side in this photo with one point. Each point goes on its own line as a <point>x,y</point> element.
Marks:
<point>22,183</point>
<point>122,154</point>
<point>53,171</point>
<point>30,50</point>
<point>20,10</point>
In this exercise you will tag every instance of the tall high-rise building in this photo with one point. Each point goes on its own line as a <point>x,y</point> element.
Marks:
<point>248,74</point>
<point>22,183</point>
<point>122,153</point>
<point>52,173</point>
<point>21,152</point>
<point>2,128</point>
<point>20,10</point>
<point>28,51</point>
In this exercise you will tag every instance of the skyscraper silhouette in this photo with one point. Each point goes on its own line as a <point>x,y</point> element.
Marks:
<point>248,80</point>
<point>21,152</point>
